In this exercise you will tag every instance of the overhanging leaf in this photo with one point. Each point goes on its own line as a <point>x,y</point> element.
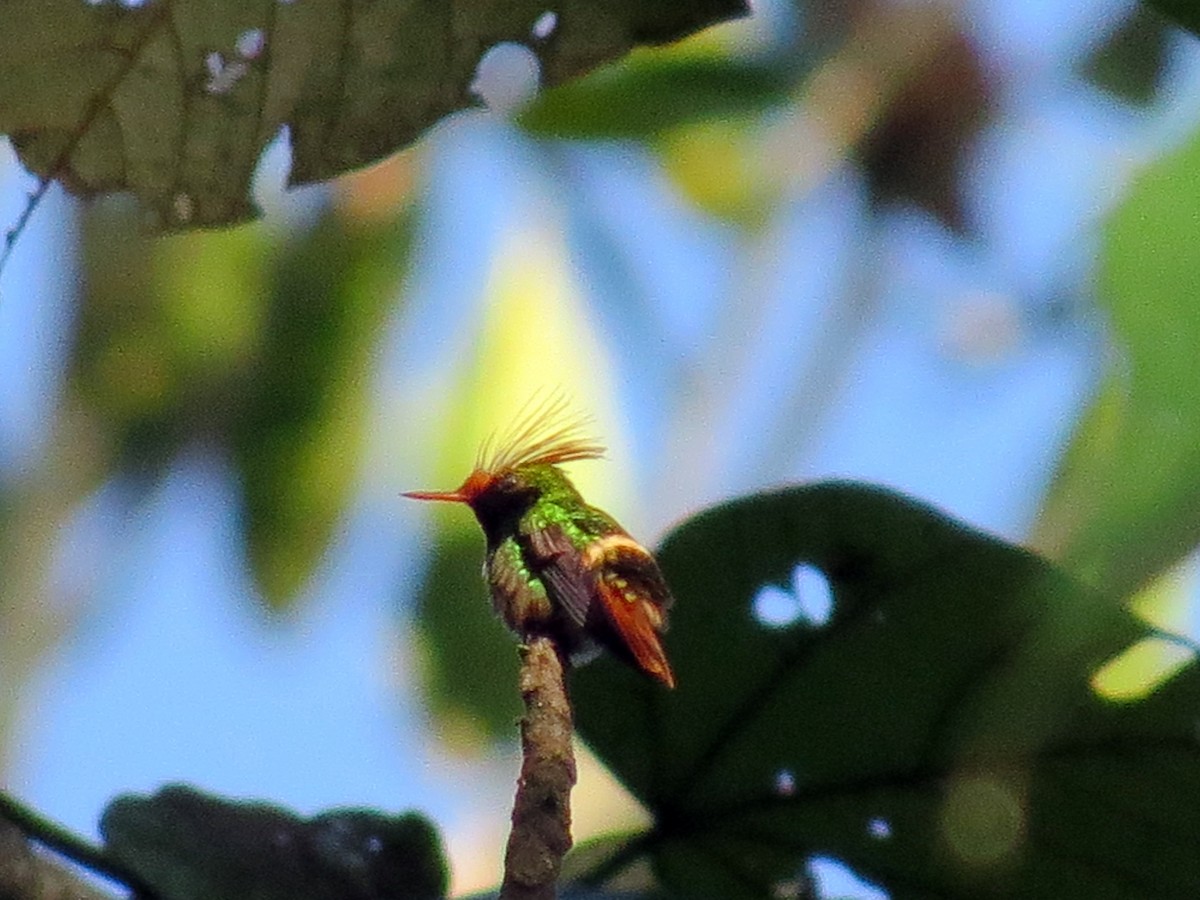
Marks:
<point>939,733</point>
<point>1125,504</point>
<point>175,101</point>
<point>187,845</point>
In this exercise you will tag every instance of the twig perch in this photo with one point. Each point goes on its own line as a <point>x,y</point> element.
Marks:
<point>541,819</point>
<point>28,875</point>
<point>41,860</point>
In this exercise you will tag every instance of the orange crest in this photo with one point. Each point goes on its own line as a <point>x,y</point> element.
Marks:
<point>545,432</point>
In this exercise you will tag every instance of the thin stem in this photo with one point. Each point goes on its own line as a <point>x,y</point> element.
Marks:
<point>25,875</point>
<point>541,818</point>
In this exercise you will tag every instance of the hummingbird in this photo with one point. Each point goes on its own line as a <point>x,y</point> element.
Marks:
<point>554,564</point>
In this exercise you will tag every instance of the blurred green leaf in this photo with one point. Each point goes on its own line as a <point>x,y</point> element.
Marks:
<point>1184,12</point>
<point>1125,503</point>
<point>591,854</point>
<point>299,433</point>
<point>226,338</point>
<point>1130,62</point>
<point>164,333</point>
<point>186,845</point>
<point>471,667</point>
<point>175,102</point>
<point>918,149</point>
<point>654,92</point>
<point>721,166</point>
<point>939,733</point>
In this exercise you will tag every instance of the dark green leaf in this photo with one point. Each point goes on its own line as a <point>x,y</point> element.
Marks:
<point>1185,12</point>
<point>654,93</point>
<point>939,734</point>
<point>175,102</point>
<point>186,845</point>
<point>1130,62</point>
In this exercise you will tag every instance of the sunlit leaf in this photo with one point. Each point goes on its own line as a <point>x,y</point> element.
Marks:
<point>176,101</point>
<point>722,168</point>
<point>1125,503</point>
<point>186,845</point>
<point>939,734</point>
<point>1165,605</point>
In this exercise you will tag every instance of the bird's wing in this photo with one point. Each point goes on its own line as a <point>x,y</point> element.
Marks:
<point>560,566</point>
<point>634,599</point>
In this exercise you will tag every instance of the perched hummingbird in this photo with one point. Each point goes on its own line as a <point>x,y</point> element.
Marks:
<point>555,565</point>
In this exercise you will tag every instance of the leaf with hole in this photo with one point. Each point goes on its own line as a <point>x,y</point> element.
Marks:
<point>176,101</point>
<point>939,733</point>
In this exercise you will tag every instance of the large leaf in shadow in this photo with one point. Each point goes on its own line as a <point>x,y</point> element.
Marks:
<point>186,845</point>
<point>175,101</point>
<point>300,431</point>
<point>1125,503</point>
<point>939,733</point>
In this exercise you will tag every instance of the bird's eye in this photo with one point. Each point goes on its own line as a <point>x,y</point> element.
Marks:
<point>508,482</point>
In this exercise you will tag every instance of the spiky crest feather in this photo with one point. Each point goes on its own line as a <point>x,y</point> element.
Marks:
<point>545,432</point>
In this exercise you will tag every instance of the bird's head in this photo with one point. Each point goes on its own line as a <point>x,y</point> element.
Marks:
<point>522,467</point>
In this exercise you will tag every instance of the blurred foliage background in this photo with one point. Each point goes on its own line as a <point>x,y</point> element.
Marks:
<point>944,246</point>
